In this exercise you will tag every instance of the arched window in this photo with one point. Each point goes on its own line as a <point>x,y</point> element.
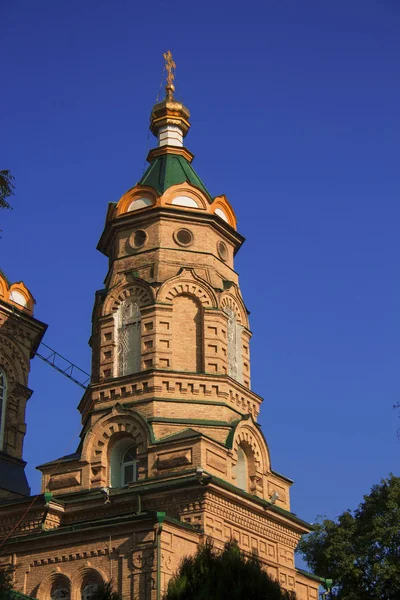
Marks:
<point>61,588</point>
<point>128,335</point>
<point>123,463</point>
<point>3,401</point>
<point>235,358</point>
<point>241,470</point>
<point>88,590</point>
<point>91,583</point>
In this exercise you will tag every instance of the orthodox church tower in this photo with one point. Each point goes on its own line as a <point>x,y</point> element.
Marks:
<point>20,335</point>
<point>171,451</point>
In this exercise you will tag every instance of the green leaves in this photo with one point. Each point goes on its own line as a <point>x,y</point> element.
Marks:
<point>105,592</point>
<point>6,188</point>
<point>218,575</point>
<point>361,550</point>
<point>5,581</point>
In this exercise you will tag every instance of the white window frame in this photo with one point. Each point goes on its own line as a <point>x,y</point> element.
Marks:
<point>117,464</point>
<point>134,463</point>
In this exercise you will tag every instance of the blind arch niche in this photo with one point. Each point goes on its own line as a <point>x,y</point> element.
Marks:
<point>187,334</point>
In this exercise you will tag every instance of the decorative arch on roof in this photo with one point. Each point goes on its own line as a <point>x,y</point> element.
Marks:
<point>185,196</point>
<point>222,208</point>
<point>16,294</point>
<point>140,197</point>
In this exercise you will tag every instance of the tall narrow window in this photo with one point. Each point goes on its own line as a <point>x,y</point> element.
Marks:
<point>235,359</point>
<point>123,463</point>
<point>3,400</point>
<point>61,588</point>
<point>128,330</point>
<point>89,589</point>
<point>90,585</point>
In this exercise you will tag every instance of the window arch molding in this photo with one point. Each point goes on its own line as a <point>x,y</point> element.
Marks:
<point>228,301</point>
<point>248,436</point>
<point>140,293</point>
<point>187,283</point>
<point>85,576</point>
<point>99,440</point>
<point>56,586</point>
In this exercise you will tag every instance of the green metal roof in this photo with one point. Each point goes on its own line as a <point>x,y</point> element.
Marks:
<point>170,169</point>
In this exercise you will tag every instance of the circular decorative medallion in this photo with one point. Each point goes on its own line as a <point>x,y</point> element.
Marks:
<point>222,251</point>
<point>183,237</point>
<point>138,238</point>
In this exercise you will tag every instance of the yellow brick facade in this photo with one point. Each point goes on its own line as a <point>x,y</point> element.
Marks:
<point>170,380</point>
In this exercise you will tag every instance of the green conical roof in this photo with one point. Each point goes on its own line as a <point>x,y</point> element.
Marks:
<point>170,169</point>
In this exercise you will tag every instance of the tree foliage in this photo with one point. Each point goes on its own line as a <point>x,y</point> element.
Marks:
<point>213,575</point>
<point>361,550</point>
<point>6,188</point>
<point>105,592</point>
<point>5,582</point>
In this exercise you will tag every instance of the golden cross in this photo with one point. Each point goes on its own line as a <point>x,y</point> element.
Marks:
<point>170,67</point>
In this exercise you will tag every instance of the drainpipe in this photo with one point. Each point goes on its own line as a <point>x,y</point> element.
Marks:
<point>160,519</point>
<point>327,584</point>
<point>47,497</point>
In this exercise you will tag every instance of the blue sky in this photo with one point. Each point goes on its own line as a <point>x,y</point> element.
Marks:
<point>295,116</point>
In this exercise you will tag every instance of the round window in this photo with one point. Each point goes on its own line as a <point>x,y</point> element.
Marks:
<point>183,237</point>
<point>138,238</point>
<point>222,251</point>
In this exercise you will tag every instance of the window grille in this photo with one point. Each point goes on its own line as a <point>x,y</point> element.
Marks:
<point>89,590</point>
<point>235,359</point>
<point>60,591</point>
<point>128,329</point>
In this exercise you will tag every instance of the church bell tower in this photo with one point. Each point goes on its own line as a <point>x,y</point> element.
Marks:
<point>171,452</point>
